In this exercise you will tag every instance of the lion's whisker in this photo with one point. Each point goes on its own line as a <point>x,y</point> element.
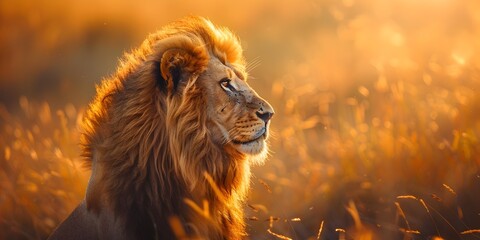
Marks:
<point>254,63</point>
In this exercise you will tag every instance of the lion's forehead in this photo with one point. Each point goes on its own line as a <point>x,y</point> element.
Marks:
<point>218,67</point>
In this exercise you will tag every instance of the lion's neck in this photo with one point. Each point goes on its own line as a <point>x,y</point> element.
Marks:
<point>221,201</point>
<point>141,195</point>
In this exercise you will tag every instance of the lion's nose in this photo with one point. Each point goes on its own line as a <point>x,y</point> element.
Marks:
<point>264,115</point>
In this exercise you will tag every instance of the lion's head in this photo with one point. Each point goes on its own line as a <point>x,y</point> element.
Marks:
<point>236,115</point>
<point>178,106</point>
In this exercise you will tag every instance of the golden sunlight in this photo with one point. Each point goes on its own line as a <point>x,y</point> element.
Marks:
<point>376,128</point>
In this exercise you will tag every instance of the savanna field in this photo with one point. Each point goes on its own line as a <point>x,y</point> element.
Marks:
<point>377,125</point>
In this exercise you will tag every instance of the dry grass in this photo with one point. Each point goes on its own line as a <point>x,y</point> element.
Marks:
<point>376,132</point>
<point>41,179</point>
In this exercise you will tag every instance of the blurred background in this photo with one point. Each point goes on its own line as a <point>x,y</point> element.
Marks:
<point>377,125</point>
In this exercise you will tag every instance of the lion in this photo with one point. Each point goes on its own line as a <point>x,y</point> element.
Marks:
<point>170,139</point>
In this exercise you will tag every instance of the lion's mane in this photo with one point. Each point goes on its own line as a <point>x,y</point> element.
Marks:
<point>149,146</point>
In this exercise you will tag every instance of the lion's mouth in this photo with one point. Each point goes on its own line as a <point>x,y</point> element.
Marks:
<point>260,136</point>
<point>250,141</point>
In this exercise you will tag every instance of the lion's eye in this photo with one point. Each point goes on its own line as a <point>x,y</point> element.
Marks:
<point>225,84</point>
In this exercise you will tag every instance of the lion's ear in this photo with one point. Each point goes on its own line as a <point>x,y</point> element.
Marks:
<point>171,65</point>
<point>178,65</point>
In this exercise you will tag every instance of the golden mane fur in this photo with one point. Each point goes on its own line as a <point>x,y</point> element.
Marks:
<point>147,139</point>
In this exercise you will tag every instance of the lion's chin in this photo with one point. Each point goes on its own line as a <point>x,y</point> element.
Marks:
<point>257,149</point>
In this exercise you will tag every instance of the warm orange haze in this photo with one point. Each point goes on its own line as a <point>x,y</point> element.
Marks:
<point>376,128</point>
